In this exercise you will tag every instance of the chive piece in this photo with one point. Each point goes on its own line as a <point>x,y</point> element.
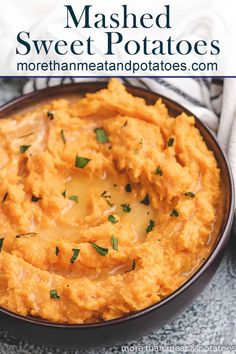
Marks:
<point>35,199</point>
<point>170,142</point>
<point>26,135</point>
<point>114,243</point>
<point>189,194</point>
<point>26,234</point>
<point>81,162</point>
<point>63,138</point>
<point>64,193</point>
<point>134,264</point>
<point>128,188</point>
<point>5,197</point>
<point>126,208</point>
<point>57,251</point>
<point>74,198</point>
<point>146,200</point>
<point>112,219</point>
<point>174,213</point>
<point>150,226</point>
<point>102,251</point>
<point>50,115</point>
<point>76,252</point>
<point>101,135</point>
<point>1,243</point>
<point>125,124</point>
<point>24,148</point>
<point>158,171</point>
<point>54,294</point>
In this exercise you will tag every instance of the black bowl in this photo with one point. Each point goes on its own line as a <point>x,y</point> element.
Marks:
<point>140,323</point>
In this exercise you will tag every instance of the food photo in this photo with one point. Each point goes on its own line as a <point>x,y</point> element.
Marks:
<point>117,177</point>
<point>111,217</point>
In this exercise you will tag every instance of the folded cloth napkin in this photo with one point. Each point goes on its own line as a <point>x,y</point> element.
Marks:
<point>211,100</point>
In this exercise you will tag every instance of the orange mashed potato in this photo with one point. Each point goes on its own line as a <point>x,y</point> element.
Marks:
<point>107,206</point>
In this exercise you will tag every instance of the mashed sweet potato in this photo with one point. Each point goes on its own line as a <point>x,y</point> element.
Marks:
<point>107,206</point>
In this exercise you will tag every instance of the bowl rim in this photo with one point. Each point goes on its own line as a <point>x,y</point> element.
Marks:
<point>57,90</point>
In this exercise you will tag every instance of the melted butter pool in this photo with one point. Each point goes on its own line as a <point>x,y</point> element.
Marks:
<point>112,190</point>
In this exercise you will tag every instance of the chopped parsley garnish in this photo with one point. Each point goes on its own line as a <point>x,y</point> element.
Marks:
<point>74,198</point>
<point>26,135</point>
<point>170,142</point>
<point>35,199</point>
<point>101,135</point>
<point>54,294</point>
<point>5,197</point>
<point>63,138</point>
<point>146,200</point>
<point>128,188</point>
<point>112,219</point>
<point>57,251</point>
<point>107,196</point>
<point>50,115</point>
<point>189,194</point>
<point>133,264</point>
<point>126,208</point>
<point>114,243</point>
<point>76,252</point>
<point>174,213</point>
<point>81,162</point>
<point>158,171</point>
<point>64,193</point>
<point>26,234</point>
<point>150,226</point>
<point>1,243</point>
<point>101,250</point>
<point>24,148</point>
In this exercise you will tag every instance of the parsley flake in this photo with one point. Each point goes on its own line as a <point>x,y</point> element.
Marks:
<point>26,234</point>
<point>150,226</point>
<point>189,194</point>
<point>101,250</point>
<point>35,199</point>
<point>134,264</point>
<point>57,251</point>
<point>146,200</point>
<point>126,208</point>
<point>24,148</point>
<point>174,213</point>
<point>54,294</point>
<point>128,188</point>
<point>158,171</point>
<point>26,135</point>
<point>112,219</point>
<point>74,198</point>
<point>64,193</point>
<point>5,197</point>
<point>170,142</point>
<point>50,115</point>
<point>76,252</point>
<point>107,196</point>
<point>114,243</point>
<point>1,243</point>
<point>101,135</point>
<point>81,162</point>
<point>63,138</point>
